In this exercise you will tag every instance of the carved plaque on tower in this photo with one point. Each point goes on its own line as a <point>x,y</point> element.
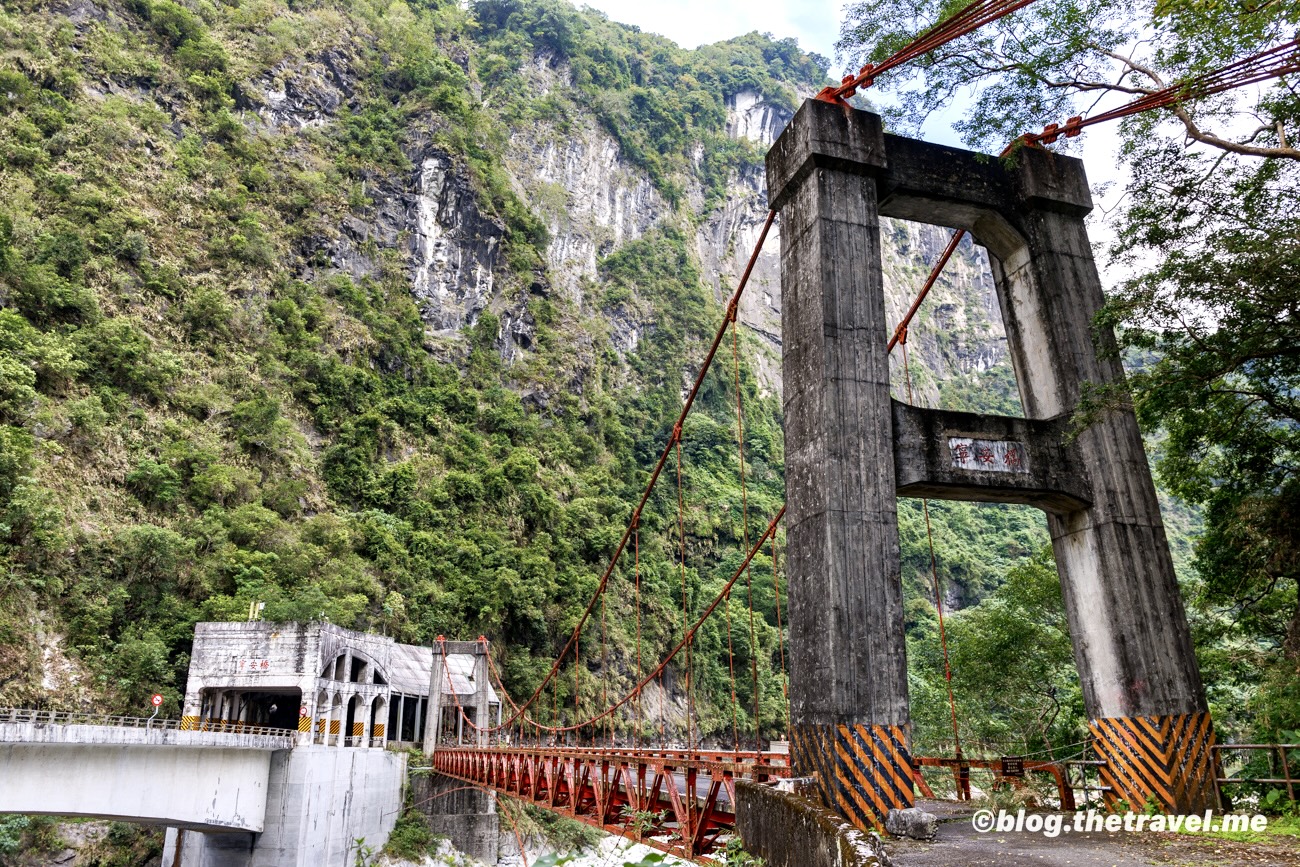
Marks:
<point>990,456</point>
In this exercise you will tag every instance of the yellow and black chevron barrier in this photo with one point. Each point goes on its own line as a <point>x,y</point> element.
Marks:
<point>863,771</point>
<point>1164,760</point>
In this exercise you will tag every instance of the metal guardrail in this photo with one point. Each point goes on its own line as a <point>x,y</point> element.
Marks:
<point>76,718</point>
<point>1288,779</point>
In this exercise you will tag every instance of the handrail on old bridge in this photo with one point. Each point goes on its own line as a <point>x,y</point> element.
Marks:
<point>679,801</point>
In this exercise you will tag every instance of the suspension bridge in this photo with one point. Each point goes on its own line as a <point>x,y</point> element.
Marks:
<point>852,450</point>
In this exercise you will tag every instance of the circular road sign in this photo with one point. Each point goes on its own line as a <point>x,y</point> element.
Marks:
<point>156,700</point>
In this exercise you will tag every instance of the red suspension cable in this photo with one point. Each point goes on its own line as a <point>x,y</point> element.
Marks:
<point>672,654</point>
<point>966,21</point>
<point>659,465</point>
<point>1263,66</point>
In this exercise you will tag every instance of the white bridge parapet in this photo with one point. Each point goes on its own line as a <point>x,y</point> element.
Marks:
<point>206,781</point>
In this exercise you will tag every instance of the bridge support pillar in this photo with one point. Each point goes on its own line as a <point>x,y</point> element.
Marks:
<point>440,692</point>
<point>848,669</point>
<point>1132,645</point>
<point>482,720</point>
<point>437,686</point>
<point>832,174</point>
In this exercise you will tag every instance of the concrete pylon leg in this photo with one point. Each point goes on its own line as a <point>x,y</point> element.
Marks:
<point>848,669</point>
<point>1132,645</point>
<point>481,719</point>
<point>437,683</point>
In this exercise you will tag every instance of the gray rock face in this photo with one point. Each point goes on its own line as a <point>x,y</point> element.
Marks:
<point>453,247</point>
<point>592,200</point>
<point>751,116</point>
<point>724,242</point>
<point>304,95</point>
<point>577,181</point>
<point>912,822</point>
<point>449,247</point>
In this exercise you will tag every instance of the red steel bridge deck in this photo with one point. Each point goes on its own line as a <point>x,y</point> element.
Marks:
<point>675,800</point>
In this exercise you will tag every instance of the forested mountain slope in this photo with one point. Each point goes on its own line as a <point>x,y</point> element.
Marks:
<point>381,312</point>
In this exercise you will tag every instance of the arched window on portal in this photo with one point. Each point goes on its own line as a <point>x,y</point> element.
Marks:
<point>353,666</point>
<point>378,721</point>
<point>355,721</point>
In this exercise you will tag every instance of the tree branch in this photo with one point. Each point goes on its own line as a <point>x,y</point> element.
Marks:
<point>1196,134</point>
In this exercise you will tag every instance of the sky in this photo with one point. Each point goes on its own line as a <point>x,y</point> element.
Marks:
<point>691,23</point>
<point>816,24</point>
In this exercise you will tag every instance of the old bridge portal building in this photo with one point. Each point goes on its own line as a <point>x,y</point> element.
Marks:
<point>332,685</point>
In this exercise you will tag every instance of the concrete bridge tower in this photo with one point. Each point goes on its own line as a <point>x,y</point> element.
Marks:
<point>851,450</point>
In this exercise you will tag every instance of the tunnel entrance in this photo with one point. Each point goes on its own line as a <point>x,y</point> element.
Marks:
<point>273,708</point>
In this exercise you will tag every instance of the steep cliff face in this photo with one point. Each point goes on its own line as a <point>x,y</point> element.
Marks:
<point>593,200</point>
<point>575,176</point>
<point>453,248</point>
<point>375,314</point>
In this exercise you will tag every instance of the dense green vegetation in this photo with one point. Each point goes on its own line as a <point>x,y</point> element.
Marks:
<point>195,416</point>
<point>198,411</point>
<point>1208,231</point>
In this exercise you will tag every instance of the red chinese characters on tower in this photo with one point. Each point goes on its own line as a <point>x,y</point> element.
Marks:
<point>988,456</point>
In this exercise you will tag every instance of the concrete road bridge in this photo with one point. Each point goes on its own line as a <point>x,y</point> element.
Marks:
<point>252,797</point>
<point>137,770</point>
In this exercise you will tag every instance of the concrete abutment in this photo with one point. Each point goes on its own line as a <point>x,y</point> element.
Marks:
<point>319,802</point>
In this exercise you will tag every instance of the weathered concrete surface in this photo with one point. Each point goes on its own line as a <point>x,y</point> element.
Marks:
<point>1131,641</point>
<point>466,816</point>
<point>202,787</point>
<point>834,174</point>
<point>789,831</point>
<point>1051,477</point>
<point>846,634</point>
<point>320,802</point>
<point>848,666</point>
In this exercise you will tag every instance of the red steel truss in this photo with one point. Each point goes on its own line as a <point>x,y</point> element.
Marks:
<point>674,800</point>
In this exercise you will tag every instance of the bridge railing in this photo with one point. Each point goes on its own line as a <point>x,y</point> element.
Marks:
<point>1278,765</point>
<point>680,801</point>
<point>81,718</point>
